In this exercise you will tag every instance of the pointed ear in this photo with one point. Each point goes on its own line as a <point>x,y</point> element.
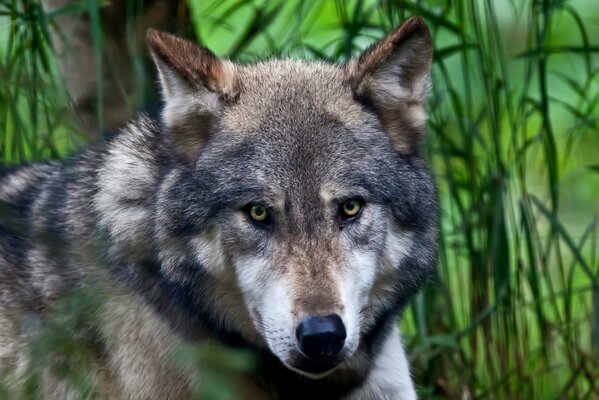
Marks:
<point>393,77</point>
<point>196,86</point>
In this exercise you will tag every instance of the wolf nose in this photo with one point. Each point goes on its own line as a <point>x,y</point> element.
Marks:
<point>321,336</point>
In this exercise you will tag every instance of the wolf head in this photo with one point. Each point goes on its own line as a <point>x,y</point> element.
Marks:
<point>298,191</point>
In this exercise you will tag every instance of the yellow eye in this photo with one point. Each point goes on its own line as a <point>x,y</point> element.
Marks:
<point>258,213</point>
<point>351,208</point>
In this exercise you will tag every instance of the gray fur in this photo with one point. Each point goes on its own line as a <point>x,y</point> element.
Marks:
<point>154,219</point>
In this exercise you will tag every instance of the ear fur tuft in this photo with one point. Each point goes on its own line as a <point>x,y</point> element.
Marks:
<point>196,86</point>
<point>197,66</point>
<point>393,76</point>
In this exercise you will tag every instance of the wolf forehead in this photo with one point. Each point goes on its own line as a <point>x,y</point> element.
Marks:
<point>294,94</point>
<point>297,119</point>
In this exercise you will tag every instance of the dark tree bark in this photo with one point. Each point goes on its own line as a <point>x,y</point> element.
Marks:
<point>127,75</point>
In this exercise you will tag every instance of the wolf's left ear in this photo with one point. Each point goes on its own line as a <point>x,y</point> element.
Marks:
<point>393,77</point>
<point>196,86</point>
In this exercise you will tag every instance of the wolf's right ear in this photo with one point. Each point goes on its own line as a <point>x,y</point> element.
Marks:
<point>196,85</point>
<point>392,77</point>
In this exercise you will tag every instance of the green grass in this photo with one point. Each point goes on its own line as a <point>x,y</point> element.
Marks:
<point>514,310</point>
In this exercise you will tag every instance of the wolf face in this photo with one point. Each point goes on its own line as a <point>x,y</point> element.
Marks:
<point>298,197</point>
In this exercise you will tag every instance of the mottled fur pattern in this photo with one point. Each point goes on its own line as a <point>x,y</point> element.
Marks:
<point>155,219</point>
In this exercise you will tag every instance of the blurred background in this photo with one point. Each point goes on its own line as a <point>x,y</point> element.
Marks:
<point>513,141</point>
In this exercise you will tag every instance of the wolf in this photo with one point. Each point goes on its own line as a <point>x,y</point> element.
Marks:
<point>282,207</point>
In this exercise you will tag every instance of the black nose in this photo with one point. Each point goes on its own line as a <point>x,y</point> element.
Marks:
<point>321,336</point>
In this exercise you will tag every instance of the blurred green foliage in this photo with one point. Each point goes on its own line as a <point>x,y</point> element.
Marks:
<point>513,143</point>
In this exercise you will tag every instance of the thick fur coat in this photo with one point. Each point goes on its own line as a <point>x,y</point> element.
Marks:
<point>267,194</point>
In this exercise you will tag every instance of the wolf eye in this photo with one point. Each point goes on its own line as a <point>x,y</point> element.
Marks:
<point>258,213</point>
<point>351,208</point>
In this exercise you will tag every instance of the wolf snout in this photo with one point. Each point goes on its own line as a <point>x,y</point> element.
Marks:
<point>321,336</point>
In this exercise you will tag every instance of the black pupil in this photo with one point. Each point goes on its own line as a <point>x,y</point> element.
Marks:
<point>350,206</point>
